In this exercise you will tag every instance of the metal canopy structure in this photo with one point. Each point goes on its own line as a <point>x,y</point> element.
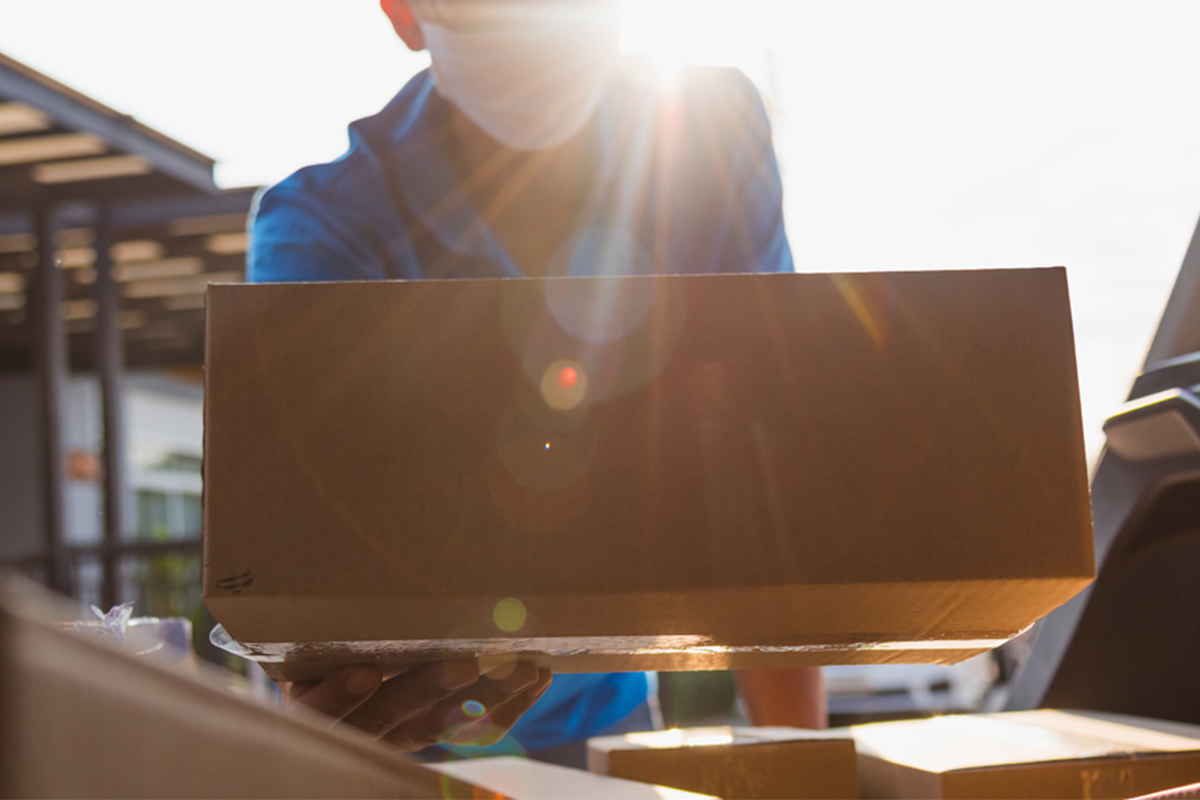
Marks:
<point>109,234</point>
<point>57,145</point>
<point>164,252</point>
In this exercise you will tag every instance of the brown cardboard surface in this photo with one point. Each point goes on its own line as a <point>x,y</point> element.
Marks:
<point>1188,792</point>
<point>79,719</point>
<point>733,763</point>
<point>766,470</point>
<point>1042,754</point>
<point>522,779</point>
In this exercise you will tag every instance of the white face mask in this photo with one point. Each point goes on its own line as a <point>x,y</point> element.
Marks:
<point>529,74</point>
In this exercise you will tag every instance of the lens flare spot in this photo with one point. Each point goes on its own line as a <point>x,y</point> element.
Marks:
<point>564,385</point>
<point>528,427</point>
<point>474,708</point>
<point>567,378</point>
<point>509,615</point>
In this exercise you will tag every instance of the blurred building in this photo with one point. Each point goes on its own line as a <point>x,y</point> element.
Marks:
<point>161,495</point>
<point>109,235</point>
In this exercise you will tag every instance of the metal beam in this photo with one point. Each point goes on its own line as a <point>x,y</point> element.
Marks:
<point>141,213</point>
<point>51,349</point>
<point>76,112</point>
<point>109,360</point>
<point>93,551</point>
<point>158,211</point>
<point>142,549</point>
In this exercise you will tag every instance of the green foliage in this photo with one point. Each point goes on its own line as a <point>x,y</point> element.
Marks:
<point>691,698</point>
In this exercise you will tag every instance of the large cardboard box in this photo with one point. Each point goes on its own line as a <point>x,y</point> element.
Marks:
<point>522,779</point>
<point>1025,754</point>
<point>696,472</point>
<point>81,719</point>
<point>734,763</point>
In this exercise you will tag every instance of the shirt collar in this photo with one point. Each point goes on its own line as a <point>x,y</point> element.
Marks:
<point>422,168</point>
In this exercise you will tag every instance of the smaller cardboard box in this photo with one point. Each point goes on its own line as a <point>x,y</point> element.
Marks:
<point>733,763</point>
<point>520,779</point>
<point>1026,754</point>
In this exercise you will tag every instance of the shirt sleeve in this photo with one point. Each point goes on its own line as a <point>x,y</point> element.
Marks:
<point>296,234</point>
<point>754,235</point>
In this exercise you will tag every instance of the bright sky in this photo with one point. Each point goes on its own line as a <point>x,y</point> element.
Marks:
<point>912,135</point>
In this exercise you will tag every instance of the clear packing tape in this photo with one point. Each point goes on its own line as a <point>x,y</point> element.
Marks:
<point>220,638</point>
<point>112,628</point>
<point>166,639</point>
<point>278,652</point>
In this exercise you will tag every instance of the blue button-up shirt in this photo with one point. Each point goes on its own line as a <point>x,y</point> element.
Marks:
<point>685,182</point>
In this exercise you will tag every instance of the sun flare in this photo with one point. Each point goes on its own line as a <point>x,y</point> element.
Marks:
<point>706,32</point>
<point>673,32</point>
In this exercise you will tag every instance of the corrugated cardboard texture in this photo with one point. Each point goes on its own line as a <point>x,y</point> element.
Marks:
<point>1028,754</point>
<point>733,763</point>
<point>780,469</point>
<point>529,780</point>
<point>78,719</point>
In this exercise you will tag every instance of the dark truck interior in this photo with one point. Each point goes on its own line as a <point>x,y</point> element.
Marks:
<point>1130,643</point>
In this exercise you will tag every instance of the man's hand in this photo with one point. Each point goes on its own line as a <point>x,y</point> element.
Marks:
<point>445,702</point>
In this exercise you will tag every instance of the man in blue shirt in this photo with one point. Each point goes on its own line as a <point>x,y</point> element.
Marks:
<point>527,149</point>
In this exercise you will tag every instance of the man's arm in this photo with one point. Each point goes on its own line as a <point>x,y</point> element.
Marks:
<point>295,237</point>
<point>789,697</point>
<point>756,240</point>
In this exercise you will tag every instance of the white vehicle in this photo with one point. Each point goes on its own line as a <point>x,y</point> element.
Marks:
<point>885,690</point>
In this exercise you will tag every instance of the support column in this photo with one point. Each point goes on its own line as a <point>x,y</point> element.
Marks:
<point>110,364</point>
<point>51,351</point>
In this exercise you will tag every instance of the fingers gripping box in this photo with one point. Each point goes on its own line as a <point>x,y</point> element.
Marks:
<point>688,472</point>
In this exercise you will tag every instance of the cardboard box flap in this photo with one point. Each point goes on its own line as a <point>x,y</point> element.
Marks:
<point>81,719</point>
<point>708,737</point>
<point>521,779</point>
<point>985,741</point>
<point>734,762</point>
